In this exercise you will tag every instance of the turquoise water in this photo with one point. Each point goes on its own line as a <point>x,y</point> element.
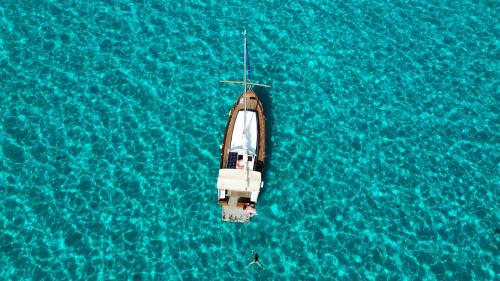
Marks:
<point>384,145</point>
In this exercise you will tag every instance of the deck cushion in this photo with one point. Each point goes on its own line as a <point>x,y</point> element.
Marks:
<point>234,180</point>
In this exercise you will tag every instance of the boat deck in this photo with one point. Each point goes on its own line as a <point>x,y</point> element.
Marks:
<point>232,213</point>
<point>253,104</point>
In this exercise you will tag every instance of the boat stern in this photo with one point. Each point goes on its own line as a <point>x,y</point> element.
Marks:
<point>237,195</point>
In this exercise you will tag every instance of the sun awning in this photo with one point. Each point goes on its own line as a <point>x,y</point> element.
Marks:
<point>234,179</point>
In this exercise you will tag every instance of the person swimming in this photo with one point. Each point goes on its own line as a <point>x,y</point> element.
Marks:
<point>255,261</point>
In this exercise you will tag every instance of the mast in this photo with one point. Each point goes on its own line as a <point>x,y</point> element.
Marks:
<point>245,64</point>
<point>245,83</point>
<point>245,135</point>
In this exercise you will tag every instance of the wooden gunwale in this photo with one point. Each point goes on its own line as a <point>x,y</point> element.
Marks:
<point>253,104</point>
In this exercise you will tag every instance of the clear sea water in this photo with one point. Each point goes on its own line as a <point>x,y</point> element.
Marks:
<point>384,147</point>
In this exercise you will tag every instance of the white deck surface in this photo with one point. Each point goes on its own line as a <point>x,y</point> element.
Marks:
<point>234,180</point>
<point>238,141</point>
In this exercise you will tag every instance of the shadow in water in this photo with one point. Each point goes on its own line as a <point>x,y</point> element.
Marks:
<point>266,100</point>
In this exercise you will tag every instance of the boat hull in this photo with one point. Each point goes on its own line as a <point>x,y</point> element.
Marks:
<point>239,186</point>
<point>253,105</point>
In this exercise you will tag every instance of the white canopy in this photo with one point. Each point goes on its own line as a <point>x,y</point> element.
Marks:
<point>237,141</point>
<point>234,179</point>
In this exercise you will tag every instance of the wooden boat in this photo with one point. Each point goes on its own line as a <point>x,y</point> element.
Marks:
<point>242,153</point>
